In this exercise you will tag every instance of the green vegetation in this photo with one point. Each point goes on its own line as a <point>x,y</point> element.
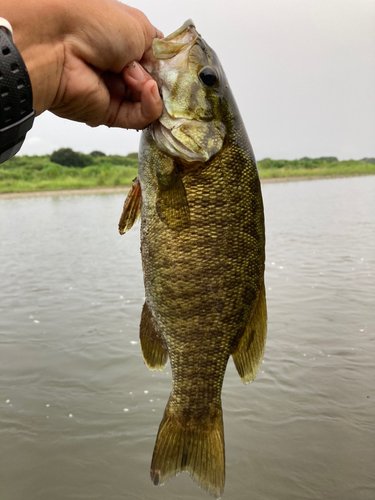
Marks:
<point>69,158</point>
<point>40,173</point>
<point>315,167</point>
<point>67,169</point>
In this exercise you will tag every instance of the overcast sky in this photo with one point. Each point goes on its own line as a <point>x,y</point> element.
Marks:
<point>302,72</point>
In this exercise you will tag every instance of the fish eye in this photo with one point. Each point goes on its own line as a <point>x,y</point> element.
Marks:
<point>208,76</point>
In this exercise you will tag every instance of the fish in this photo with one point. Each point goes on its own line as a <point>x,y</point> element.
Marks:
<point>199,199</point>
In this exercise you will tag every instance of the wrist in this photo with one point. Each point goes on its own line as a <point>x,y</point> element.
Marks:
<point>44,63</point>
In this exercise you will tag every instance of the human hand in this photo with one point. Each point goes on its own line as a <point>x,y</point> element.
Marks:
<point>81,59</point>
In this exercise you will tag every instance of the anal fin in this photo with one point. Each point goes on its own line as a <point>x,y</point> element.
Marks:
<point>154,350</point>
<point>132,208</point>
<point>248,354</point>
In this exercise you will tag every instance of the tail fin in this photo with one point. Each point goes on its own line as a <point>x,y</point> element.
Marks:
<point>199,451</point>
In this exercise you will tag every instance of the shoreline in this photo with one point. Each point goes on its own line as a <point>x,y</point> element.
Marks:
<point>125,189</point>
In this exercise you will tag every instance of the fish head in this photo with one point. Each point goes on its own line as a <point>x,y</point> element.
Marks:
<point>192,84</point>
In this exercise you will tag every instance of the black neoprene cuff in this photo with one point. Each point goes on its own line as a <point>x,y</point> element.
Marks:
<point>16,99</point>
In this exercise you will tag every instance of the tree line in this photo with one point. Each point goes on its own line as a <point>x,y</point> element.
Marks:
<point>69,158</point>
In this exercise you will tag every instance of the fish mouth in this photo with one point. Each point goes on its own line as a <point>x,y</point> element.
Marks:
<point>187,24</point>
<point>178,41</point>
<point>170,46</point>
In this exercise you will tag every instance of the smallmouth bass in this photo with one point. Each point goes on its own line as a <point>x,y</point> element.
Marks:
<point>203,253</point>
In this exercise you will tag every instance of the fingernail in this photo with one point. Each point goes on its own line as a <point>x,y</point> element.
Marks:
<point>155,92</point>
<point>136,72</point>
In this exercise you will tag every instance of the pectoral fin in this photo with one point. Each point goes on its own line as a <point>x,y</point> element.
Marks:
<point>154,350</point>
<point>248,354</point>
<point>132,208</point>
<point>172,205</point>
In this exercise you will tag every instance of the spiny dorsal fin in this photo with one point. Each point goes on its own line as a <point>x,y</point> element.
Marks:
<point>172,205</point>
<point>154,350</point>
<point>132,208</point>
<point>248,354</point>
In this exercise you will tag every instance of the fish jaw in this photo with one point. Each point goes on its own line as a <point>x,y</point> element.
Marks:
<point>176,42</point>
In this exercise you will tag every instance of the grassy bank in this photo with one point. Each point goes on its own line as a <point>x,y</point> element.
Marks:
<point>40,173</point>
<point>315,167</point>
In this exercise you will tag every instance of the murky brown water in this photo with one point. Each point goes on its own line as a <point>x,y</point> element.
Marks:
<point>79,411</point>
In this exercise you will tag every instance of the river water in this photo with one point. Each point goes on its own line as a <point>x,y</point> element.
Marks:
<point>79,411</point>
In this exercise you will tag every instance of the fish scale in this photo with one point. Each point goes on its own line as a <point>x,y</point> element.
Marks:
<point>203,254</point>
